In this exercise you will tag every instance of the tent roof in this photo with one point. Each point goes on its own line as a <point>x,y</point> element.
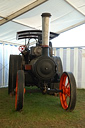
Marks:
<point>20,15</point>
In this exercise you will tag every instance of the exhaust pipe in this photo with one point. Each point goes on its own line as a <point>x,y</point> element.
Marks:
<point>45,33</point>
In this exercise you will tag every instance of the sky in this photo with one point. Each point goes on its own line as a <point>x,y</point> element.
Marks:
<point>71,38</point>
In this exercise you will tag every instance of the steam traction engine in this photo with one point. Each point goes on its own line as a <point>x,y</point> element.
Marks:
<point>37,66</point>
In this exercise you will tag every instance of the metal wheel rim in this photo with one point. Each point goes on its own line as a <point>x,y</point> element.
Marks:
<point>16,92</point>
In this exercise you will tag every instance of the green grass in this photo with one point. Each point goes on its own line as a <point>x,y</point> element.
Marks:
<point>41,111</point>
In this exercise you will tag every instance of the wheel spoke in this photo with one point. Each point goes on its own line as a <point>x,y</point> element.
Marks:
<point>67,85</point>
<point>68,92</point>
<point>64,80</point>
<point>65,101</point>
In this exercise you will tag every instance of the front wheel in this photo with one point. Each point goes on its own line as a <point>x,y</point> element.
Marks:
<point>19,96</point>
<point>68,95</point>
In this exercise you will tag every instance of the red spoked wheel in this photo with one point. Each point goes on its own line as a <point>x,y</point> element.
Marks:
<point>68,95</point>
<point>19,96</point>
<point>22,48</point>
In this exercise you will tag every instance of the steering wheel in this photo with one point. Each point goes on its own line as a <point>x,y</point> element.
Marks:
<point>22,48</point>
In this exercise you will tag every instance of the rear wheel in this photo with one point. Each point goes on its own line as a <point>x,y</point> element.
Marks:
<point>15,64</point>
<point>19,96</point>
<point>68,86</point>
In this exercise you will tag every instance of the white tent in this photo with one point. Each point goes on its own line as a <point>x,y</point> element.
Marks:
<point>17,15</point>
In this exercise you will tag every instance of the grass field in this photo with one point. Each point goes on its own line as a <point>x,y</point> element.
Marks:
<point>41,111</point>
